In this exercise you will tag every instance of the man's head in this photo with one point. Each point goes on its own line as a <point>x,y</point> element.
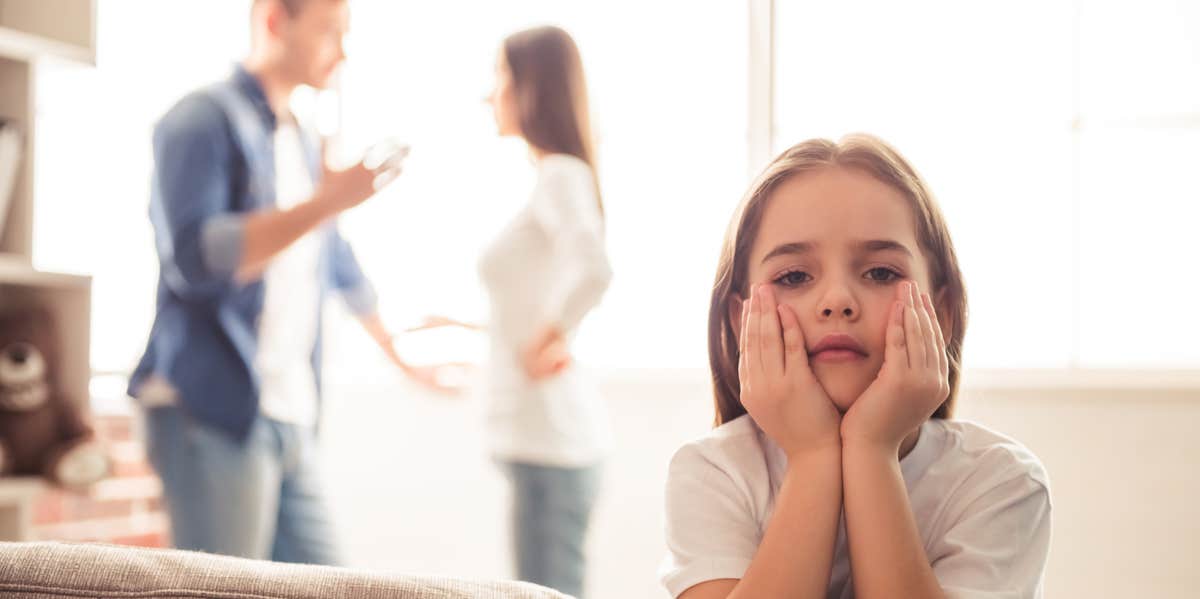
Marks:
<point>301,40</point>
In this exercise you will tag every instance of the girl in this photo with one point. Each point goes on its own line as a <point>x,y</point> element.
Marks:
<point>544,272</point>
<point>835,342</point>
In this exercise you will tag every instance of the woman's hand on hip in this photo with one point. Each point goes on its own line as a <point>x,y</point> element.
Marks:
<point>546,354</point>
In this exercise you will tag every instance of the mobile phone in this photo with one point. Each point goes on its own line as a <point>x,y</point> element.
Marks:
<point>386,155</point>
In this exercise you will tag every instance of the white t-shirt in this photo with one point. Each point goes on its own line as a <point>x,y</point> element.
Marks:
<point>547,266</point>
<point>288,326</point>
<point>981,501</point>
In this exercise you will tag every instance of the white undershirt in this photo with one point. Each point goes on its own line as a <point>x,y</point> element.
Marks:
<point>548,266</point>
<point>288,325</point>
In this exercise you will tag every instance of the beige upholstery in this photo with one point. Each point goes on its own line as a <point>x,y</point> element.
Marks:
<point>55,570</point>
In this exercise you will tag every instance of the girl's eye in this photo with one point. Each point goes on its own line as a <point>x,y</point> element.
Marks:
<point>882,274</point>
<point>793,278</point>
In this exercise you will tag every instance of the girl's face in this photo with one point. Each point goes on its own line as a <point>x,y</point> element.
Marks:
<point>504,99</point>
<point>834,244</point>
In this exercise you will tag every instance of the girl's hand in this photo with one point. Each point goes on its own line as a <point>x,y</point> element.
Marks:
<point>778,388</point>
<point>546,354</point>
<point>913,381</point>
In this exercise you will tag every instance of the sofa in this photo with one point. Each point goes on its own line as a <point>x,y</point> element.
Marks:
<point>46,570</point>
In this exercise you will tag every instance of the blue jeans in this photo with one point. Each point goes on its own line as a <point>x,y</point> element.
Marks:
<point>550,513</point>
<point>259,499</point>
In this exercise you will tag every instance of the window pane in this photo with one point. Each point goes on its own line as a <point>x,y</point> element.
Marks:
<point>1141,203</point>
<point>985,120</point>
<point>1139,60</point>
<point>670,116</point>
<point>92,180</point>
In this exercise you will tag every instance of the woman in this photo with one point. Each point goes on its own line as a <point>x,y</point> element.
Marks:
<point>543,273</point>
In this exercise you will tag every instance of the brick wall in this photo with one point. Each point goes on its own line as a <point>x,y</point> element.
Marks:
<point>125,509</point>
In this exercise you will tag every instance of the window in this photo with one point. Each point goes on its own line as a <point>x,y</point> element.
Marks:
<point>669,105</point>
<point>1060,158</point>
<point>93,156</point>
<point>1058,136</point>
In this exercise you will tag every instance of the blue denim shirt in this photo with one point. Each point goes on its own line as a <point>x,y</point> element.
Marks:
<point>214,163</point>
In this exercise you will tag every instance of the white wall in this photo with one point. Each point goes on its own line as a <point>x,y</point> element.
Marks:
<point>414,491</point>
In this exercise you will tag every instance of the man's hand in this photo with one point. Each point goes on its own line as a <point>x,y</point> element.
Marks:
<point>347,188</point>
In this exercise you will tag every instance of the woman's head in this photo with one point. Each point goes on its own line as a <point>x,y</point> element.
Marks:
<point>834,228</point>
<point>540,93</point>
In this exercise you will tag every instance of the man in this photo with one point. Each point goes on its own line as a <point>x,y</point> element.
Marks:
<point>244,212</point>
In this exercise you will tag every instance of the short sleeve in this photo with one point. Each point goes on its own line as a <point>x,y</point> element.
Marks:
<point>998,545</point>
<point>711,529</point>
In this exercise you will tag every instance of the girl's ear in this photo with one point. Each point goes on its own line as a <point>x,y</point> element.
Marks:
<point>734,304</point>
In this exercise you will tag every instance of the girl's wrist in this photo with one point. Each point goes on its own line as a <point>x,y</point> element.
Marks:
<point>855,447</point>
<point>818,450</point>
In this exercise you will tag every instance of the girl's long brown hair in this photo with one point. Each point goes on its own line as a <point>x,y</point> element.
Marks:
<point>551,93</point>
<point>875,157</point>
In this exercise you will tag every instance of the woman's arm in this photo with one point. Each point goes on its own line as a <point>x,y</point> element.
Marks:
<point>567,209</point>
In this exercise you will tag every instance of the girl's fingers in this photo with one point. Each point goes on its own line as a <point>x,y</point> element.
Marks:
<point>770,336</point>
<point>939,341</point>
<point>914,339</point>
<point>795,354</point>
<point>744,328</point>
<point>895,352</point>
<point>753,349</point>
<point>926,322</point>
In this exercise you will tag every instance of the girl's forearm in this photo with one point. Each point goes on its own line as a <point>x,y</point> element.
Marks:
<point>887,557</point>
<point>796,552</point>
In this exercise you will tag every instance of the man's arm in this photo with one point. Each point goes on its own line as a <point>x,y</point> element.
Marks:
<point>266,234</point>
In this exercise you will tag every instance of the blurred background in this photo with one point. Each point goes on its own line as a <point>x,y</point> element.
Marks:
<point>1061,137</point>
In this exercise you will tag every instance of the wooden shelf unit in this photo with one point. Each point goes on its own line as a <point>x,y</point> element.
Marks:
<point>31,31</point>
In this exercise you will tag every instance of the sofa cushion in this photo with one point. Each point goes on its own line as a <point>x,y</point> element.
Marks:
<point>45,570</point>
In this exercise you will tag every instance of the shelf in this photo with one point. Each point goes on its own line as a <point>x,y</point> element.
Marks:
<point>15,489</point>
<point>68,300</point>
<point>25,46</point>
<point>17,496</point>
<point>15,270</point>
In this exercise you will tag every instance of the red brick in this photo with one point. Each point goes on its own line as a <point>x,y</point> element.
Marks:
<point>114,427</point>
<point>131,469</point>
<point>48,508</point>
<point>84,508</point>
<point>153,539</point>
<point>156,504</point>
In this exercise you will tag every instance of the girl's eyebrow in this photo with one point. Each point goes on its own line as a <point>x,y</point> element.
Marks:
<point>885,245</point>
<point>796,247</point>
<point>804,247</point>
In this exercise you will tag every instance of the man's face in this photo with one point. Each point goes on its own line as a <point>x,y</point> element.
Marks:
<point>311,41</point>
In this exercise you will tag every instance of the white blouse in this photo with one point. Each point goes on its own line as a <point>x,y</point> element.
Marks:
<point>547,266</point>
